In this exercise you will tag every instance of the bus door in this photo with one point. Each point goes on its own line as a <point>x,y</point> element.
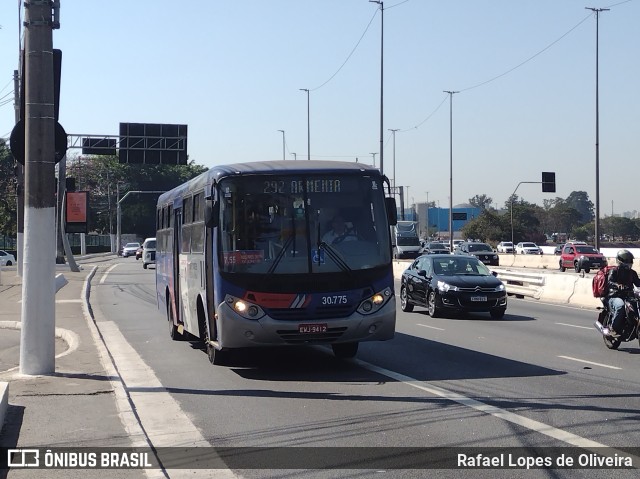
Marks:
<point>177,274</point>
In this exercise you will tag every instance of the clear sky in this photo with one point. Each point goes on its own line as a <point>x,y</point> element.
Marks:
<point>232,71</point>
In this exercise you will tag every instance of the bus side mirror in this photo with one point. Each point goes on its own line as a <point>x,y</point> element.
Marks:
<point>392,211</point>
<point>211,213</point>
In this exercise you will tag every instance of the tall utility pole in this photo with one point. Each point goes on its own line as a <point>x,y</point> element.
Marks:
<point>20,174</point>
<point>374,159</point>
<point>394,154</point>
<point>381,3</point>
<point>37,336</point>
<point>308,125</point>
<point>283,144</point>
<point>451,93</point>
<point>597,220</point>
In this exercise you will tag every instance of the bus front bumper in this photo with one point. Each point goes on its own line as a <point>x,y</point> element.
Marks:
<point>234,331</point>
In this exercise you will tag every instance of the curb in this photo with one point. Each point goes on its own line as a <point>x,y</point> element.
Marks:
<point>67,336</point>
<point>4,401</point>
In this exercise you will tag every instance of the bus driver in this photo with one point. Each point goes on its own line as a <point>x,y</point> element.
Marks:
<point>338,232</point>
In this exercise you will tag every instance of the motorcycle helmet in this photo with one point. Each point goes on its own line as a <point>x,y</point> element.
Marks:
<point>624,258</point>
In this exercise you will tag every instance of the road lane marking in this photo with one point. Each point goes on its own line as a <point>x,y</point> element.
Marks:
<point>589,362</point>
<point>531,424</point>
<point>431,327</point>
<point>104,276</point>
<point>148,412</point>
<point>574,326</point>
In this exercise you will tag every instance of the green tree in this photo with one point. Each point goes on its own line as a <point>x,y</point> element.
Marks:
<point>579,200</point>
<point>8,205</point>
<point>107,181</point>
<point>618,227</point>
<point>481,201</point>
<point>489,226</point>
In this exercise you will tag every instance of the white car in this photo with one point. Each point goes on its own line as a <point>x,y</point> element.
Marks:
<point>528,248</point>
<point>130,249</point>
<point>148,252</point>
<point>505,247</point>
<point>6,259</point>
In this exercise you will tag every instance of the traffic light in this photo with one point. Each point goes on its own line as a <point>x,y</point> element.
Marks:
<point>548,182</point>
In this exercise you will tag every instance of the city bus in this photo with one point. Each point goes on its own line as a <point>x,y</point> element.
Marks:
<point>242,258</point>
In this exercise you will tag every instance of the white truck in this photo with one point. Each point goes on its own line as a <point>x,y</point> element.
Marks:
<point>405,239</point>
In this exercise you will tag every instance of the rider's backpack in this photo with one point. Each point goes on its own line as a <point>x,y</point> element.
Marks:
<point>600,282</point>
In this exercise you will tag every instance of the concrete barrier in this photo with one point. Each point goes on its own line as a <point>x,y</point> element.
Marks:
<point>522,283</point>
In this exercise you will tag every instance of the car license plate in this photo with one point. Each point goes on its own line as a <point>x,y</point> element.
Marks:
<point>312,328</point>
<point>478,298</point>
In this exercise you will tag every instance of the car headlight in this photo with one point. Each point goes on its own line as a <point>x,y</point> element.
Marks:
<point>500,288</point>
<point>445,287</point>
<point>375,302</point>
<point>244,308</point>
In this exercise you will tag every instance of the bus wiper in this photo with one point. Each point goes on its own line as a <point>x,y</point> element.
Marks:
<point>281,254</point>
<point>335,256</point>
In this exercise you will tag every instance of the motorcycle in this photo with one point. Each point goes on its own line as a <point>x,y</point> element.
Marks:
<point>631,323</point>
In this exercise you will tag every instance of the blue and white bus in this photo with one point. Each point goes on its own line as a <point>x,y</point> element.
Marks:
<point>243,257</point>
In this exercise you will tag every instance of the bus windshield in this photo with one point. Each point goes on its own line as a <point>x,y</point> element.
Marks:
<point>302,224</point>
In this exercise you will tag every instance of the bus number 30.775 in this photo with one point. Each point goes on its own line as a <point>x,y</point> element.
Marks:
<point>342,299</point>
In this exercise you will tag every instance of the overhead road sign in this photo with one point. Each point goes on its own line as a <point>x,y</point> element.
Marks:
<point>99,146</point>
<point>153,143</point>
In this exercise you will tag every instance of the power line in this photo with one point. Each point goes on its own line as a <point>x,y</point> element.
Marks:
<point>350,54</point>
<point>528,59</point>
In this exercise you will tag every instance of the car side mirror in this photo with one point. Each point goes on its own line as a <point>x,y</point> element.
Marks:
<point>422,273</point>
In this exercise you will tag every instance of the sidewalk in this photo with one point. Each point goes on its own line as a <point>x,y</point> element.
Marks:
<point>74,407</point>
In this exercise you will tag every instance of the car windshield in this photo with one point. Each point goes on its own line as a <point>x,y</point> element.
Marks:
<point>529,245</point>
<point>586,249</point>
<point>460,267</point>
<point>436,246</point>
<point>132,245</point>
<point>150,245</point>
<point>479,247</point>
<point>507,243</point>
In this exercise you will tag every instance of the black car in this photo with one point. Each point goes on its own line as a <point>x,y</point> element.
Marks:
<point>482,251</point>
<point>558,249</point>
<point>452,283</point>
<point>434,247</point>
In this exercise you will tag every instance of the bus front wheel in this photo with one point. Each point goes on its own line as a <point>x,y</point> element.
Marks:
<point>344,350</point>
<point>216,356</point>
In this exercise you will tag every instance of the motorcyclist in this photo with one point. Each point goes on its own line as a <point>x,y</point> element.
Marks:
<point>620,281</point>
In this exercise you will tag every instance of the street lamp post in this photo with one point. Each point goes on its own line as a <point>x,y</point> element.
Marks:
<point>374,159</point>
<point>597,219</point>
<point>381,3</point>
<point>283,143</point>
<point>295,156</point>
<point>308,126</point>
<point>451,93</point>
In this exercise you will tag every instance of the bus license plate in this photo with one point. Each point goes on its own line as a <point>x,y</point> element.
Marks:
<point>478,298</point>
<point>312,328</point>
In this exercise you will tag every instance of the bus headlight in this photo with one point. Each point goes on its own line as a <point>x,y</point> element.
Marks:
<point>375,302</point>
<point>244,308</point>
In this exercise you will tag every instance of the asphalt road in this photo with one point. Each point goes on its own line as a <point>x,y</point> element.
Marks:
<point>540,377</point>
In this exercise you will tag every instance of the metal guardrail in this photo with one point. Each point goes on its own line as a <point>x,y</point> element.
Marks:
<point>522,284</point>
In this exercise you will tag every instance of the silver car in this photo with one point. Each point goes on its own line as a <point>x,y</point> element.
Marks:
<point>6,259</point>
